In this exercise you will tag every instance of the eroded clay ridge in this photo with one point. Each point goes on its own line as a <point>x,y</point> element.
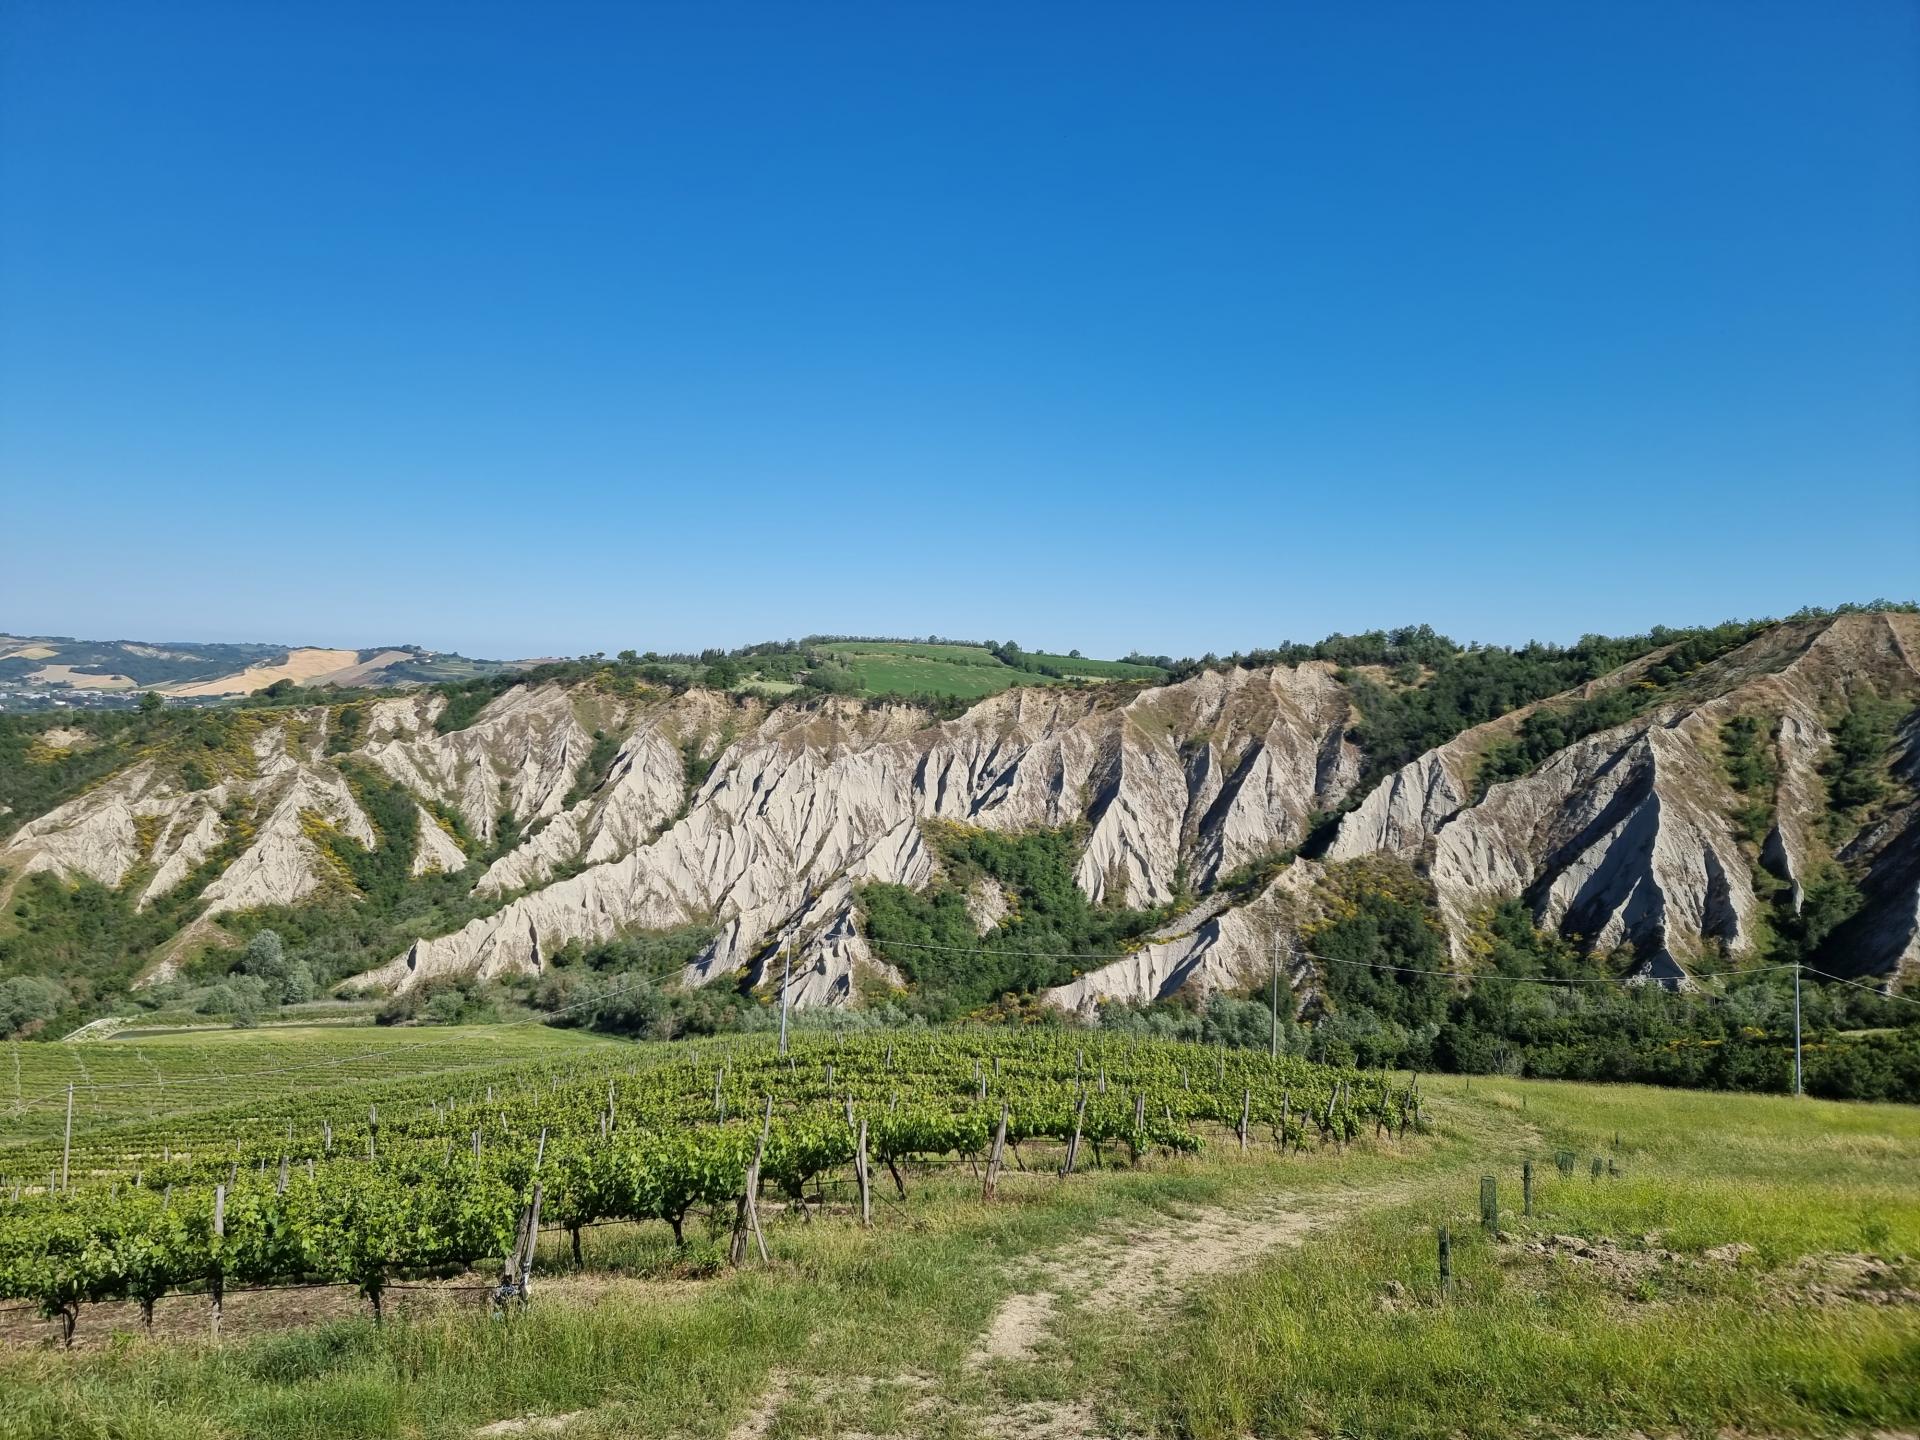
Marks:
<point>1626,836</point>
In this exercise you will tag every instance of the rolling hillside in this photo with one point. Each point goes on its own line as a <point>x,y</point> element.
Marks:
<point>1662,807</point>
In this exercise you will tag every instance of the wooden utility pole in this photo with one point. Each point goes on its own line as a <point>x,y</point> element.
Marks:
<point>786,985</point>
<point>1796,1037</point>
<point>1273,1043</point>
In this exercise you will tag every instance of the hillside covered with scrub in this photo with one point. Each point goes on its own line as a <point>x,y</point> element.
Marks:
<point>1452,856</point>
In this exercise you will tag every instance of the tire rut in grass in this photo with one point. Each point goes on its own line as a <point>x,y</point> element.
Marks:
<point>1144,1268</point>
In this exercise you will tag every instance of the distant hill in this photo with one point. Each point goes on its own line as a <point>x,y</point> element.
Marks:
<point>57,672</point>
<point>1659,806</point>
<point>40,672</point>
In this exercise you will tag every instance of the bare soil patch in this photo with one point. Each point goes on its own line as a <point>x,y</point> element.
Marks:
<point>67,675</point>
<point>300,666</point>
<point>1143,1268</point>
<point>1826,1279</point>
<point>530,1425</point>
<point>247,1313</point>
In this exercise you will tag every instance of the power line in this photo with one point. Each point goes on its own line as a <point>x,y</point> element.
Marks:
<point>1870,989</point>
<point>230,1076</point>
<point>242,1077</point>
<point>227,1077</point>
<point>1634,980</point>
<point>1336,960</point>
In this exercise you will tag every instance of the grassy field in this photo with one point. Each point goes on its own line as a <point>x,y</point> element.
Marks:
<point>1101,669</point>
<point>1656,1330</point>
<point>966,671</point>
<point>1214,1297</point>
<point>142,1077</point>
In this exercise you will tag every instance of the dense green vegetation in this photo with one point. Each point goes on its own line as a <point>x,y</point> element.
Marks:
<point>623,986</point>
<point>932,938</point>
<point>595,768</point>
<point>1808,927</point>
<point>1390,1000</point>
<point>1856,771</point>
<point>38,773</point>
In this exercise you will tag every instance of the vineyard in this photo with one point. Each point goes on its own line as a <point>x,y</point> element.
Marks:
<point>136,1081</point>
<point>435,1173</point>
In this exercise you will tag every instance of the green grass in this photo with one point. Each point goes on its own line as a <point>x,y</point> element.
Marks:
<point>955,654</point>
<point>1351,1336</point>
<point>1346,1335</point>
<point>205,1072</point>
<point>957,670</point>
<point>1101,669</point>
<point>966,671</point>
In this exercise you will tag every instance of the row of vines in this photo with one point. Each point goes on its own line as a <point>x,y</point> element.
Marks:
<point>433,1183</point>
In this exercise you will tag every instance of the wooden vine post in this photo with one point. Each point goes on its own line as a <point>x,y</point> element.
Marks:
<point>746,1218</point>
<point>516,1270</point>
<point>998,1153</point>
<point>1073,1145</point>
<point>216,1283</point>
<point>863,1176</point>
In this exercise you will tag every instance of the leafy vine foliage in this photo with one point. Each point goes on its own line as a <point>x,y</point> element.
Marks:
<point>435,1183</point>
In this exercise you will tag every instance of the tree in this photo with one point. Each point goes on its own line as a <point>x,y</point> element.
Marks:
<point>283,980</point>
<point>28,1000</point>
<point>150,702</point>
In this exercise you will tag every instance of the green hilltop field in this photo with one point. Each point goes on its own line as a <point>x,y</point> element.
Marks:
<point>966,672</point>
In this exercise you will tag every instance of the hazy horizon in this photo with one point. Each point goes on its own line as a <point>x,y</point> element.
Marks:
<point>1045,643</point>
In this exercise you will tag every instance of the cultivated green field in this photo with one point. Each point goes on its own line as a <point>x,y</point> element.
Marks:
<point>967,674</point>
<point>1741,1265</point>
<point>966,671</point>
<point>1101,669</point>
<point>141,1078</point>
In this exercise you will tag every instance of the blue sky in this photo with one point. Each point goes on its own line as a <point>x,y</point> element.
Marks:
<point>547,328</point>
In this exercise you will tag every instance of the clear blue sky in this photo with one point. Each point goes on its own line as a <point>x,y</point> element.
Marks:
<point>546,328</point>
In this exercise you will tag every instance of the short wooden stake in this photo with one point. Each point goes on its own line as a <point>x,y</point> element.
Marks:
<point>862,1175</point>
<point>993,1160</point>
<point>1073,1145</point>
<point>215,1285</point>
